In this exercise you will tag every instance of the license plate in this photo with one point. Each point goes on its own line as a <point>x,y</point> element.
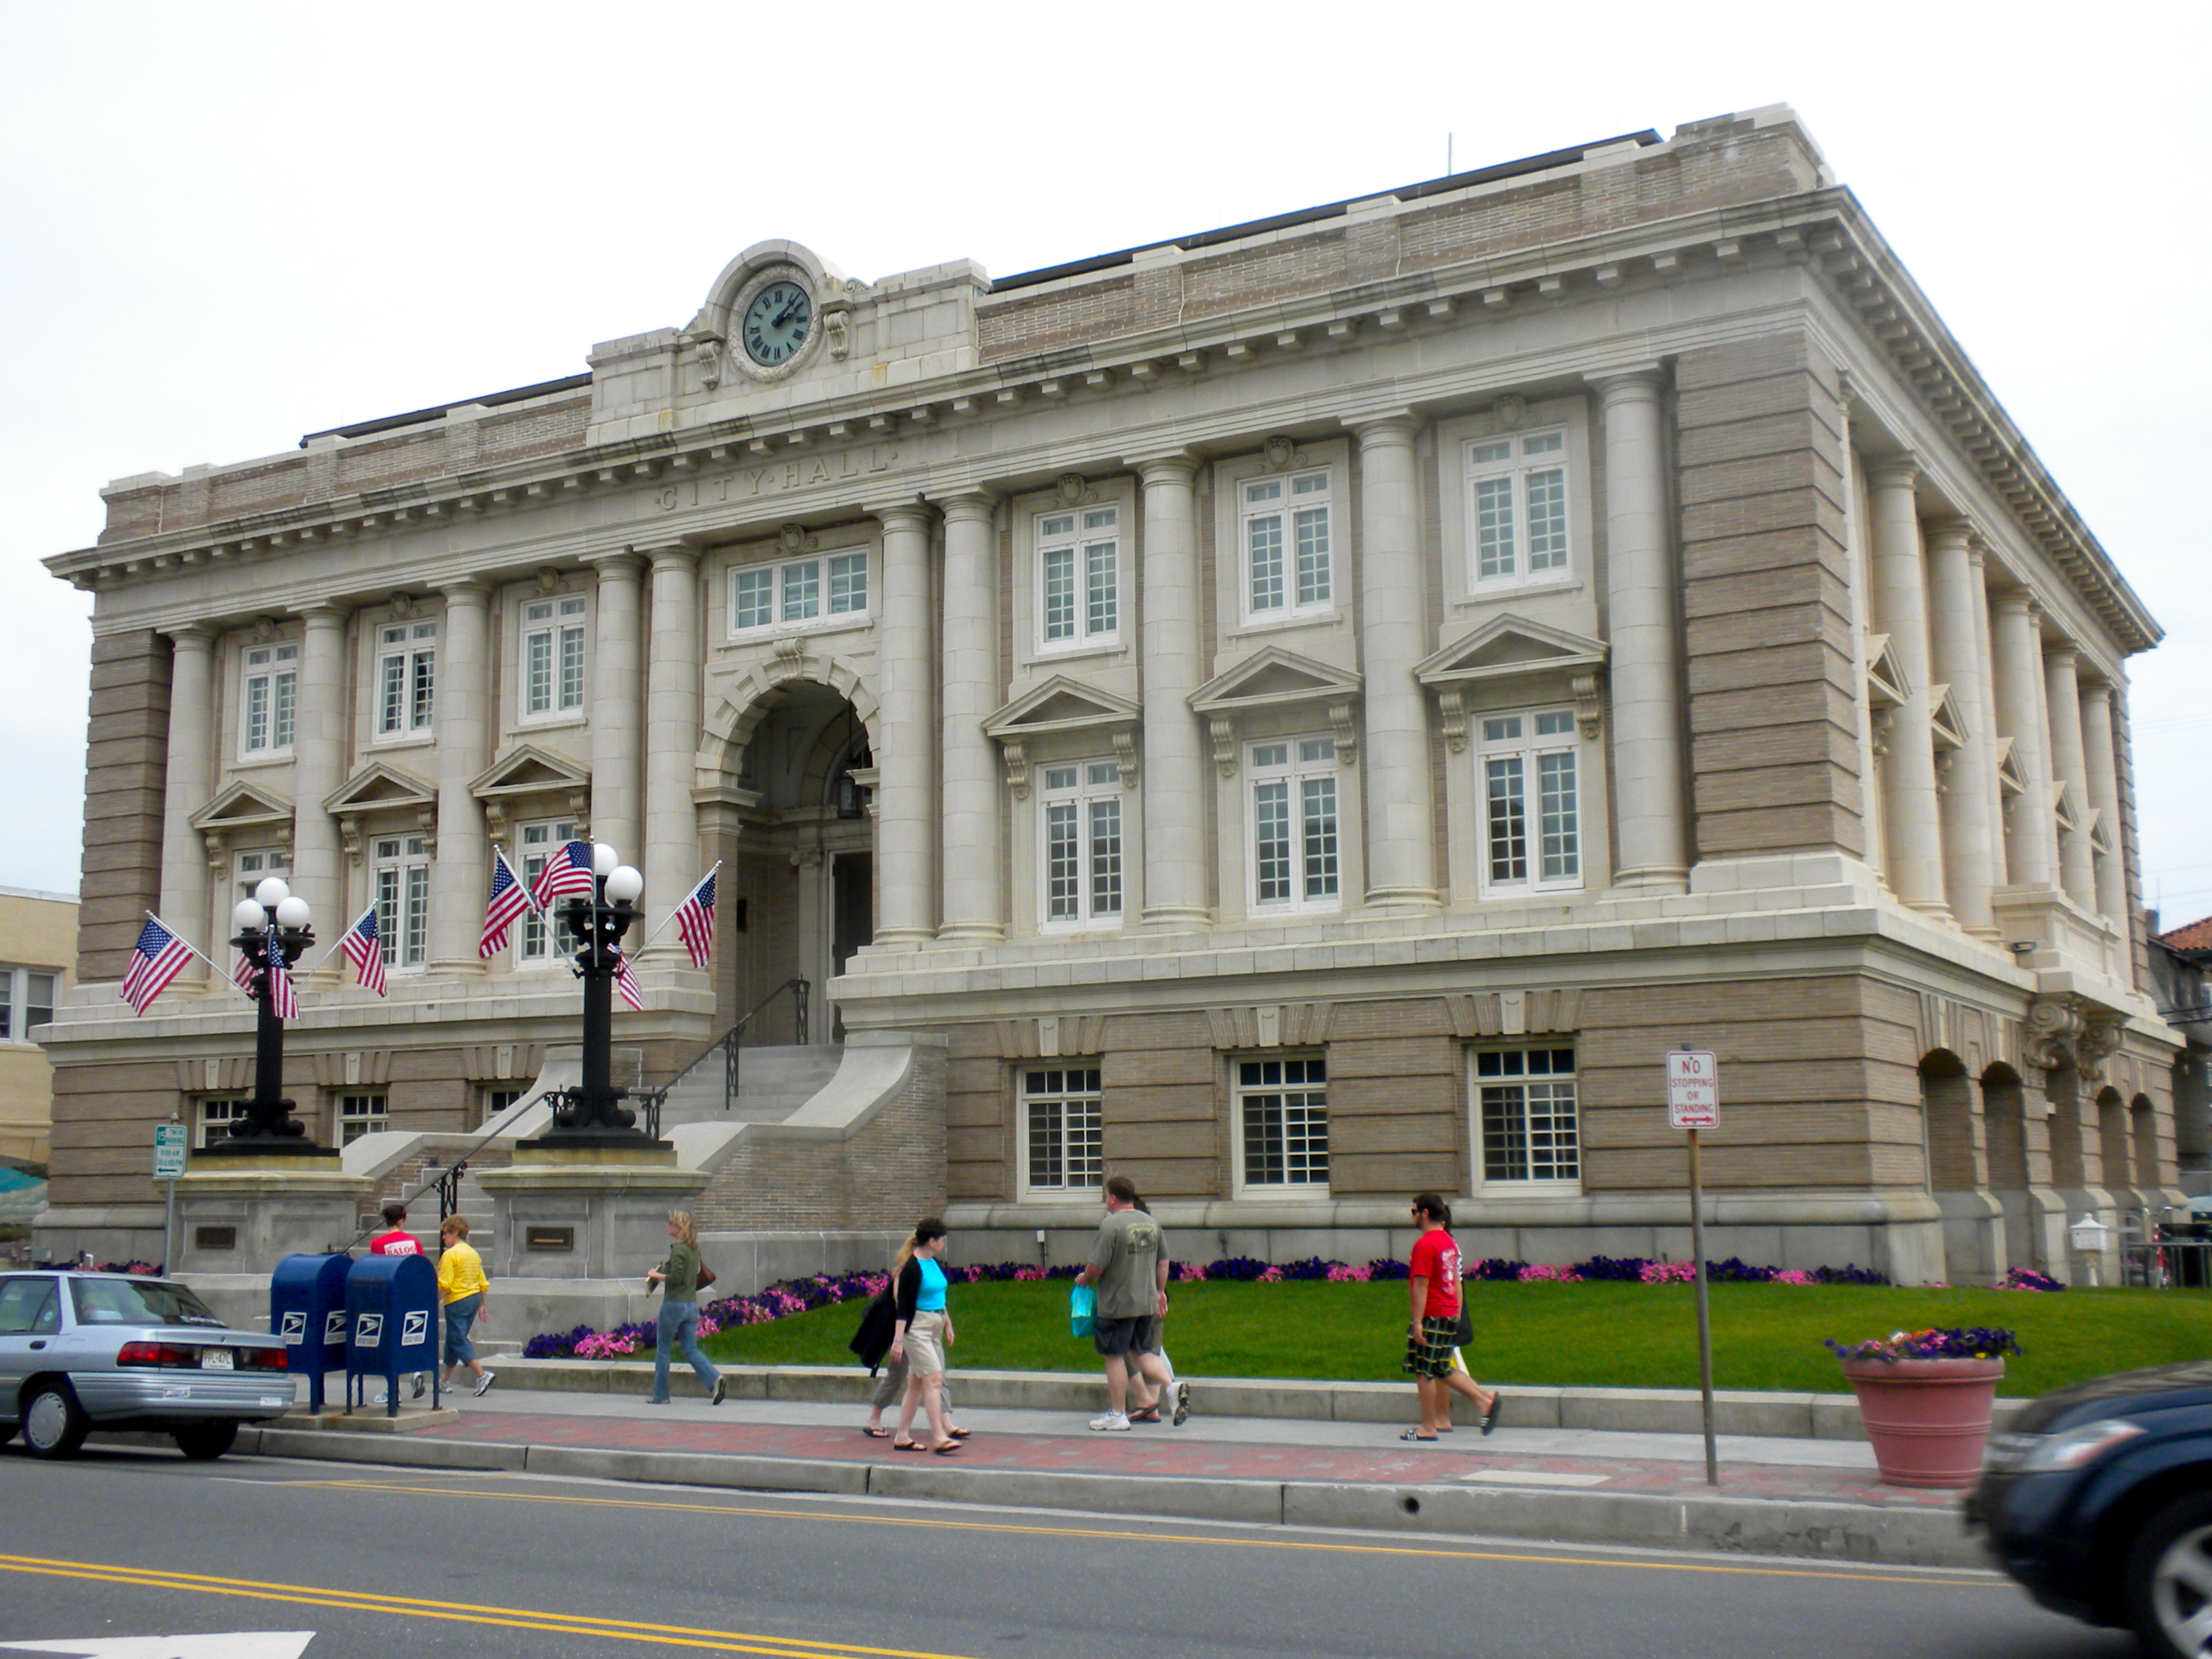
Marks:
<point>217,1359</point>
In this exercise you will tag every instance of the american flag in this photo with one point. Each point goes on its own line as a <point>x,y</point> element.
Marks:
<point>158,957</point>
<point>242,972</point>
<point>509,899</point>
<point>695,922</point>
<point>365,950</point>
<point>284,1001</point>
<point>626,982</point>
<point>569,871</point>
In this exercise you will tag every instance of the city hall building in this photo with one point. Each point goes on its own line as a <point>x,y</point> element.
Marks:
<point>1297,715</point>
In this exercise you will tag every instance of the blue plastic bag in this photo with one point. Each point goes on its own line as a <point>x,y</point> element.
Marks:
<point>1082,1309</point>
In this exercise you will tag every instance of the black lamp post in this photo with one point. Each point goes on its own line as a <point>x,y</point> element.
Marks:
<point>592,1113</point>
<point>273,922</point>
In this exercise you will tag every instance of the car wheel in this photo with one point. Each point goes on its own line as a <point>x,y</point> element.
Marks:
<point>205,1442</point>
<point>2168,1586</point>
<point>54,1424</point>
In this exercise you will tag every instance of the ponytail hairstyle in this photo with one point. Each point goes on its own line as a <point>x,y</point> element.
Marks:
<point>925,1230</point>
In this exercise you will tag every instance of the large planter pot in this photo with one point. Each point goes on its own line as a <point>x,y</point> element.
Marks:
<point>1928,1418</point>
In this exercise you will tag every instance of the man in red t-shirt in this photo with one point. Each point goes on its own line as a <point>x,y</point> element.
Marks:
<point>1434,1334</point>
<point>399,1241</point>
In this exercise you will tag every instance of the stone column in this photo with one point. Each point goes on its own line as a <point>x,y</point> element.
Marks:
<point>670,856</point>
<point>1910,809</point>
<point>1170,669</point>
<point>2017,652</point>
<point>188,785</point>
<point>462,874</point>
<point>974,896</point>
<point>2100,758</point>
<point>1645,661</point>
<point>1955,657</point>
<point>1400,810</point>
<point>905,822</point>
<point>1993,787</point>
<point>617,706</point>
<point>318,728</point>
<point>2063,693</point>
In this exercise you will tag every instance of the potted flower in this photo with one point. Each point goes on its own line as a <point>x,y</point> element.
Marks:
<point>1926,1398</point>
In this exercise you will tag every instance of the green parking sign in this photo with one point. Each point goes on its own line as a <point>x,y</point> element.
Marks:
<point>168,1150</point>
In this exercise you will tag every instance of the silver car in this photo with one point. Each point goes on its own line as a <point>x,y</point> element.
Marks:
<point>81,1351</point>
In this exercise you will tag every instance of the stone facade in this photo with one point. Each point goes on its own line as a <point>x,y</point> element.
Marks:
<point>1298,713</point>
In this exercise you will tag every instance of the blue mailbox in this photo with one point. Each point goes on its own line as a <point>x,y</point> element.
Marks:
<point>307,1308</point>
<point>392,1325</point>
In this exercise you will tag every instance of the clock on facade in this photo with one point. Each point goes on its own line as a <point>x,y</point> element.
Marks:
<point>775,323</point>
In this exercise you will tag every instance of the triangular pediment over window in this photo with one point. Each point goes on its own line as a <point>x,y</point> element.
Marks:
<point>2009,780</point>
<point>2063,805</point>
<point>1505,650</point>
<point>1886,684</point>
<point>1060,705</point>
<point>1950,730</point>
<point>377,787</point>
<point>1272,679</point>
<point>242,806</point>
<point>527,781</point>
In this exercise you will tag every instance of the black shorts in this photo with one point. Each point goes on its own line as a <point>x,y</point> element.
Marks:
<point>1124,1336</point>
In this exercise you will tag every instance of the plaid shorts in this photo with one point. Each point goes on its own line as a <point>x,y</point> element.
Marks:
<point>1429,1350</point>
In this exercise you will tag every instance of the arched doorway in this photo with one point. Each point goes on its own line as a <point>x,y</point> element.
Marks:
<point>2112,1147</point>
<point>2004,1130</point>
<point>1974,1221</point>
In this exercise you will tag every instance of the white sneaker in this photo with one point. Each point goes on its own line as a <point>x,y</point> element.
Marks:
<point>421,1384</point>
<point>486,1381</point>
<point>1112,1422</point>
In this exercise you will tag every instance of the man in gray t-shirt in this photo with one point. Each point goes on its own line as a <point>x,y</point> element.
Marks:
<point>1129,1265</point>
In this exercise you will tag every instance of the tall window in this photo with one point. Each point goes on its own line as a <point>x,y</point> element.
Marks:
<point>1531,802</point>
<point>1061,1111</point>
<point>257,865</point>
<point>1282,1107</point>
<point>213,1119</point>
<point>1082,843</point>
<point>407,678</point>
<point>1525,1104</point>
<point>553,656</point>
<point>539,842</point>
<point>1287,545</point>
<point>401,869</point>
<point>26,998</point>
<point>1517,507</point>
<point>1079,577</point>
<point>805,590</point>
<point>1294,824</point>
<point>269,694</point>
<point>361,1114</point>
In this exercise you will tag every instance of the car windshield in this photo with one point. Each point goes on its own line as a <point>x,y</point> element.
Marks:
<point>137,1302</point>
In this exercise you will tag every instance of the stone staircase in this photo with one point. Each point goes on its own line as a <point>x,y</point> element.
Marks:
<point>776,1082</point>
<point>422,1216</point>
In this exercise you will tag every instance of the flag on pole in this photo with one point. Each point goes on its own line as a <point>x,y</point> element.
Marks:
<point>695,922</point>
<point>365,950</point>
<point>159,957</point>
<point>626,982</point>
<point>509,899</point>
<point>569,871</point>
<point>241,972</point>
<point>282,999</point>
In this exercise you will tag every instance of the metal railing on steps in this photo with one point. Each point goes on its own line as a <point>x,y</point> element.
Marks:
<point>447,1183</point>
<point>729,1045</point>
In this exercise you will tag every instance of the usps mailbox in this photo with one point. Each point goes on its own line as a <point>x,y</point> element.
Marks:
<point>307,1308</point>
<point>392,1325</point>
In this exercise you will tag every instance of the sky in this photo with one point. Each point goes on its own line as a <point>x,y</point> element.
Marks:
<point>225,225</point>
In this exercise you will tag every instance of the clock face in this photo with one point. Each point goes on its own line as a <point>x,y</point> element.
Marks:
<point>774,325</point>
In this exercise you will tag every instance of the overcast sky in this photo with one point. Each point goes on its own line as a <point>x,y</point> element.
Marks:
<point>227,225</point>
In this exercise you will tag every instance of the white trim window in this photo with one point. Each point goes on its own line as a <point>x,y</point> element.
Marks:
<point>1079,578</point>
<point>1527,1127</point>
<point>1294,824</point>
<point>1062,1113</point>
<point>255,865</point>
<point>537,842</point>
<point>496,1098</point>
<point>362,1115</point>
<point>213,1118</point>
<point>1529,774</point>
<point>1282,1122</point>
<point>399,867</point>
<point>1287,536</point>
<point>269,694</point>
<point>833,585</point>
<point>26,998</point>
<point>1080,816</point>
<point>553,656</point>
<point>406,678</point>
<point>1516,508</point>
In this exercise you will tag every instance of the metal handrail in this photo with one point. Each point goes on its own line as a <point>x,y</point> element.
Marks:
<point>448,1182</point>
<point>730,1041</point>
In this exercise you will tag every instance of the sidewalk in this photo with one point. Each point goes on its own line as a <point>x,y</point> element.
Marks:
<point>1778,1496</point>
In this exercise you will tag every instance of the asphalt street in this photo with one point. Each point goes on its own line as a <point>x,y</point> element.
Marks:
<point>122,1544</point>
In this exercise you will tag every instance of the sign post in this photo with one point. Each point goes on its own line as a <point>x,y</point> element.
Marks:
<point>1693,1102</point>
<point>169,1164</point>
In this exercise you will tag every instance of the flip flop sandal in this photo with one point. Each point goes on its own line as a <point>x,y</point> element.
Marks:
<point>875,1434</point>
<point>1151,1416</point>
<point>1415,1434</point>
<point>1488,1421</point>
<point>945,1450</point>
<point>958,1434</point>
<point>908,1445</point>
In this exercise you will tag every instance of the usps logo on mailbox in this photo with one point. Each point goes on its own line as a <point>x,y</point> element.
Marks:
<point>368,1331</point>
<point>334,1328</point>
<point>416,1329</point>
<point>296,1327</point>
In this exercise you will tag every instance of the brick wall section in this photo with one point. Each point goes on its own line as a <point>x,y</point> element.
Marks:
<point>1394,1098</point>
<point>1165,1120</point>
<point>1773,719</point>
<point>980,1141</point>
<point>126,750</point>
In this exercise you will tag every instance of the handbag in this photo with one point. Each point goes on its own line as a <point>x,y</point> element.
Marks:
<point>1464,1336</point>
<point>1082,1310</point>
<point>706,1276</point>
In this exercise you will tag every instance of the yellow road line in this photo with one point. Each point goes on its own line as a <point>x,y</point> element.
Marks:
<point>776,1647</point>
<point>512,1495</point>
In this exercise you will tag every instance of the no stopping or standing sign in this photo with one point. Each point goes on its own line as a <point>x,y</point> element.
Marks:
<point>1693,1091</point>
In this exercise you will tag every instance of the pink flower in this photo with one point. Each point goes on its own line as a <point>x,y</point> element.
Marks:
<point>1272,1276</point>
<point>1792,1276</point>
<point>1542,1274</point>
<point>1668,1273</point>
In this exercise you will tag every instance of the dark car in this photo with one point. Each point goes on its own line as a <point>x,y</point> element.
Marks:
<point>81,1351</point>
<point>2100,1501</point>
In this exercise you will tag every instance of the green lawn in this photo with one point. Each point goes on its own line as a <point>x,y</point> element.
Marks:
<point>1601,1335</point>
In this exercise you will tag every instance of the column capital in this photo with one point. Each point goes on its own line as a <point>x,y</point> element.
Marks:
<point>1166,466</point>
<point>2061,650</point>
<point>676,555</point>
<point>463,590</point>
<point>1950,532</point>
<point>192,636</point>
<point>1392,426</point>
<point>967,507</point>
<point>903,515</point>
<point>2015,602</point>
<point>323,613</point>
<point>615,562</point>
<point>2098,691</point>
<point>1893,472</point>
<point>1631,383</point>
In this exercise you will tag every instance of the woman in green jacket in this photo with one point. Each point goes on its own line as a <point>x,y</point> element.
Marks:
<point>679,1278</point>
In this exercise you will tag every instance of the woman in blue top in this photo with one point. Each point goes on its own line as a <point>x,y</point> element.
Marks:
<point>920,1334</point>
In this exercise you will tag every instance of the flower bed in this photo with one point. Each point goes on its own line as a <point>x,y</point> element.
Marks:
<point>1977,1342</point>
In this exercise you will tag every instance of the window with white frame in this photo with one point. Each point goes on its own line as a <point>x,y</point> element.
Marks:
<point>1080,578</point>
<point>214,1117</point>
<point>1082,823</point>
<point>407,678</point>
<point>801,591</point>
<point>1294,824</point>
<point>537,842</point>
<point>400,867</point>
<point>362,1115</point>
<point>1526,1126</point>
<point>1528,771</point>
<point>496,1099</point>
<point>553,656</point>
<point>1061,1111</point>
<point>26,998</point>
<point>1516,508</point>
<point>255,865</point>
<point>1282,1114</point>
<point>1289,567</point>
<point>269,696</point>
